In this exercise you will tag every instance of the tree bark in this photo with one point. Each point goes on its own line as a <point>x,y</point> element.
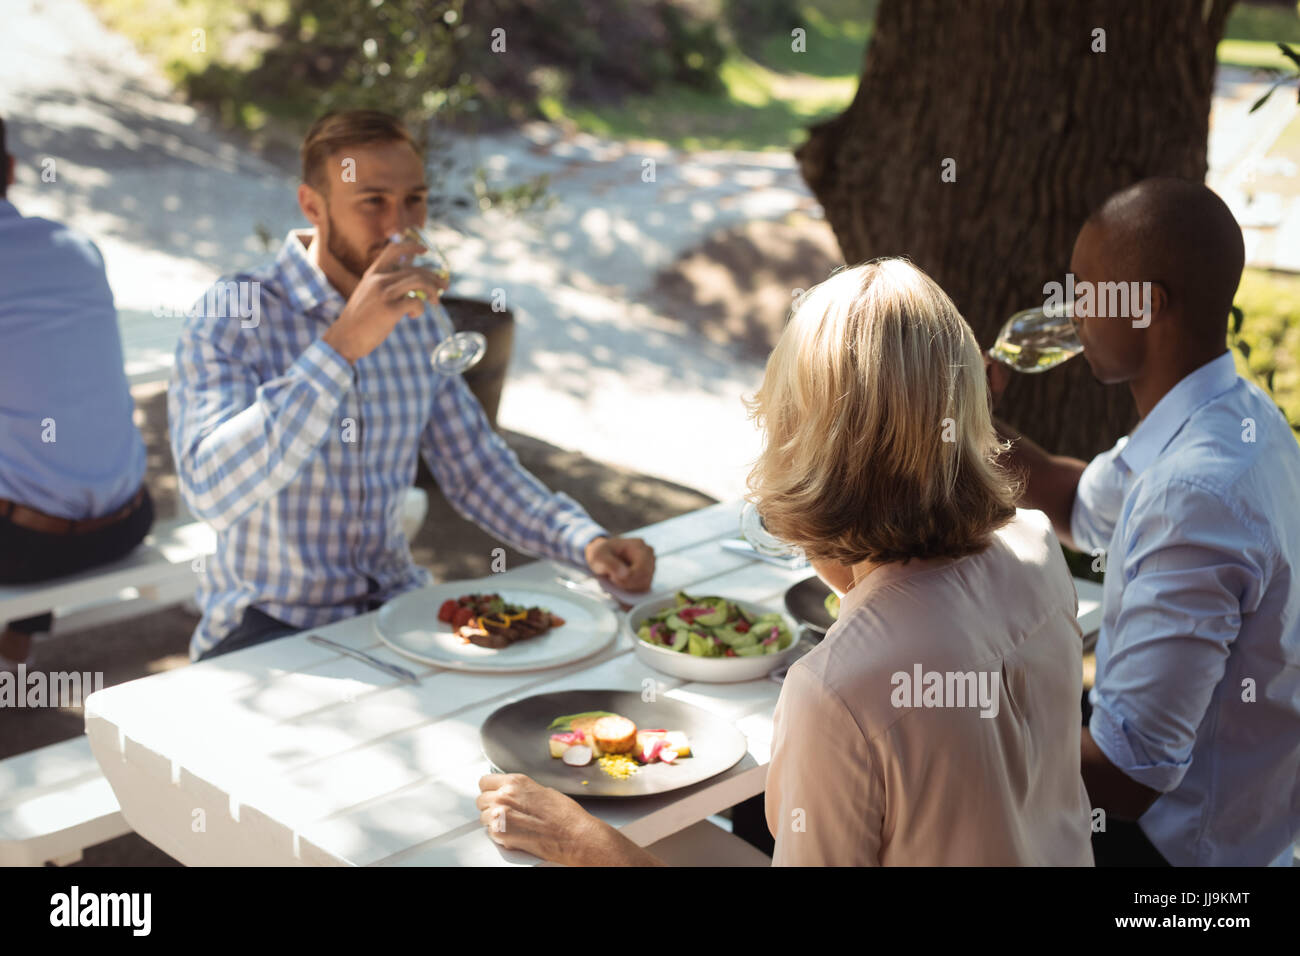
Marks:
<point>1041,129</point>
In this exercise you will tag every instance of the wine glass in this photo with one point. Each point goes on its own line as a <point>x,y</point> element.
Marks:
<point>1035,340</point>
<point>458,351</point>
<point>762,540</point>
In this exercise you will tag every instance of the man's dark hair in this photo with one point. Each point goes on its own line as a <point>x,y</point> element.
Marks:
<point>335,131</point>
<point>1181,234</point>
<point>4,161</point>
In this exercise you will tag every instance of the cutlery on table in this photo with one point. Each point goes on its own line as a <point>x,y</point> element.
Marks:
<point>401,673</point>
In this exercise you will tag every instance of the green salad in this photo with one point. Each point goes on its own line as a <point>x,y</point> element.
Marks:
<point>832,603</point>
<point>715,627</point>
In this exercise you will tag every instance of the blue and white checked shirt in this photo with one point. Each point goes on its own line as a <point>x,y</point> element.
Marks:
<point>300,461</point>
<point>1197,692</point>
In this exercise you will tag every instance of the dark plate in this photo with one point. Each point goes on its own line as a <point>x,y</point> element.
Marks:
<point>806,602</point>
<point>515,739</point>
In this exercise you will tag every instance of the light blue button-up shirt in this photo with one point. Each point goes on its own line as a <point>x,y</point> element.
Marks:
<point>68,442</point>
<point>1197,693</point>
<point>301,461</point>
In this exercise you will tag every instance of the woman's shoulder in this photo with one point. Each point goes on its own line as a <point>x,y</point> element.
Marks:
<point>953,616</point>
<point>1030,536</point>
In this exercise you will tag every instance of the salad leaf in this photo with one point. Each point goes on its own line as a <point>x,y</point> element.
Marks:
<point>713,626</point>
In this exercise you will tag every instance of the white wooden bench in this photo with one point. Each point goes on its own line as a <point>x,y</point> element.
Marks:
<point>161,571</point>
<point>54,802</point>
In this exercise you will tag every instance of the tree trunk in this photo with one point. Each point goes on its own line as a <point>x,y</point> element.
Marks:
<point>1041,129</point>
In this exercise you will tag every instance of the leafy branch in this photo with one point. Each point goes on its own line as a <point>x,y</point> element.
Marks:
<point>1283,80</point>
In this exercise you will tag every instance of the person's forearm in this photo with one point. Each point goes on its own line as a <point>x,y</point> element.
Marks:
<point>253,454</point>
<point>483,479</point>
<point>1050,481</point>
<point>1109,787</point>
<point>609,847</point>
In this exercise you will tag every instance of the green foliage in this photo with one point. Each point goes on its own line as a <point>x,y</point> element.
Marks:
<point>1294,57</point>
<point>521,197</point>
<point>1265,23</point>
<point>1253,33</point>
<point>1264,336</point>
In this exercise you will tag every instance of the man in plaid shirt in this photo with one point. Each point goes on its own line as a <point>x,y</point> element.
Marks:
<point>302,392</point>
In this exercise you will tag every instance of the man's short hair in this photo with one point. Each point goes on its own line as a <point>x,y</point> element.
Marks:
<point>338,130</point>
<point>878,438</point>
<point>1179,233</point>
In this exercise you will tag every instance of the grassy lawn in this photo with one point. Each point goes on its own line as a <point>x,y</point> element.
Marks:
<point>769,93</point>
<point>1253,33</point>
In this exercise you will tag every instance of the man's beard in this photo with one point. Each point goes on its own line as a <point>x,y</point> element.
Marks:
<point>344,253</point>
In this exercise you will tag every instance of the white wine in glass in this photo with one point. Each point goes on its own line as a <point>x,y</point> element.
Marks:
<point>762,540</point>
<point>1038,339</point>
<point>458,351</point>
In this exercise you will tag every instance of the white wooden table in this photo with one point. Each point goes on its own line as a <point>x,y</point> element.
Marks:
<point>293,754</point>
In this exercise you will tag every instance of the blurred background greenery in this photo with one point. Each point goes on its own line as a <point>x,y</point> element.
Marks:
<point>692,73</point>
<point>695,74</point>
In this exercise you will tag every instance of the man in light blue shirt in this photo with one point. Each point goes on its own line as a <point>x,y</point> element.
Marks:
<point>72,462</point>
<point>1195,723</point>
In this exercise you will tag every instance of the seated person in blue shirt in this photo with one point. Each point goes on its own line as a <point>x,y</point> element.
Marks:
<point>72,462</point>
<point>1194,730</point>
<point>296,418</point>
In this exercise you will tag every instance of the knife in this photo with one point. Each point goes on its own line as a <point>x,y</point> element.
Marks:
<point>401,673</point>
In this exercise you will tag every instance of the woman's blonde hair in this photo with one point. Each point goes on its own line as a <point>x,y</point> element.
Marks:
<point>879,440</point>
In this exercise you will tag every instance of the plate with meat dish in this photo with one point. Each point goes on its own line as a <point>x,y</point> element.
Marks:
<point>488,626</point>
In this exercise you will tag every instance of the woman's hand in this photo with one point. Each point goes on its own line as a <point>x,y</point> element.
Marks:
<point>521,814</point>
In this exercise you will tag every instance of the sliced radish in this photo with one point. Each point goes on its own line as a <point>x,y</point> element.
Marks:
<point>668,755</point>
<point>579,755</point>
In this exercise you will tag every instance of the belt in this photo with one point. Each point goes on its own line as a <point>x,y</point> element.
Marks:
<point>35,520</point>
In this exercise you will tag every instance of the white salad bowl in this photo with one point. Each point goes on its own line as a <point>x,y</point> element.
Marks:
<point>712,670</point>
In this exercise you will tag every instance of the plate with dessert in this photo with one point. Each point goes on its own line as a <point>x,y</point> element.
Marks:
<point>486,625</point>
<point>610,743</point>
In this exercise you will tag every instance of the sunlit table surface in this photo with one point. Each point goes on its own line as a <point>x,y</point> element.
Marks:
<point>290,753</point>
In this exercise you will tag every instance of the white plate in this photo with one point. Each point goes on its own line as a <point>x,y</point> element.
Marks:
<point>711,670</point>
<point>409,625</point>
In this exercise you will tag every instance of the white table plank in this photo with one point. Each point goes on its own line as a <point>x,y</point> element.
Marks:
<point>695,527</point>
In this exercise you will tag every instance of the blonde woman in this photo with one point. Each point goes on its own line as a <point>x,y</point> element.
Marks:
<point>938,721</point>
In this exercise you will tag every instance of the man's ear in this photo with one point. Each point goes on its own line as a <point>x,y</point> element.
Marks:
<point>1153,300</point>
<point>1159,298</point>
<point>312,204</point>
